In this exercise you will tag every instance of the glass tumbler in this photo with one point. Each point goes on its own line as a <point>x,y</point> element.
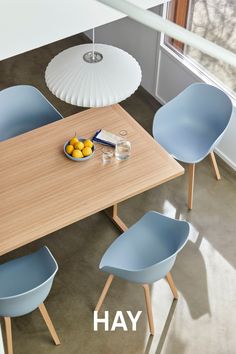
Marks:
<point>106,155</point>
<point>123,150</point>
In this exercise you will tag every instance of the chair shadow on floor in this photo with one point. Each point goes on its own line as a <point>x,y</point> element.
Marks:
<point>191,282</point>
<point>164,331</point>
<point>190,273</point>
<point>190,276</point>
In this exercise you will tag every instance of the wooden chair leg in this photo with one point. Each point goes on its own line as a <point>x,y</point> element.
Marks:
<point>104,292</point>
<point>172,285</point>
<point>149,307</point>
<point>49,324</point>
<point>7,321</point>
<point>215,166</point>
<point>191,185</point>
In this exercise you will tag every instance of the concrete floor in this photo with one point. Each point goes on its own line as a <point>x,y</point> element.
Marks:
<point>203,319</point>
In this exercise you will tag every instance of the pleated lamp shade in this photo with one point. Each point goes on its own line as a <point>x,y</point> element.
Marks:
<point>75,80</point>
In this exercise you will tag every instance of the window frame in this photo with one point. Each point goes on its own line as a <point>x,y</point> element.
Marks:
<point>196,68</point>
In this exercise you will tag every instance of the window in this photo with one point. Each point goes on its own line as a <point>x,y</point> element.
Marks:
<point>214,20</point>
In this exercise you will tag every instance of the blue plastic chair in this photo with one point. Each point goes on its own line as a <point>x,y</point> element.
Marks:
<point>25,284</point>
<point>191,125</point>
<point>23,108</point>
<point>145,253</point>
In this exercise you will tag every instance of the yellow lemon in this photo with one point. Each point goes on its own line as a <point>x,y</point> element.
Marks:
<point>87,151</point>
<point>69,149</point>
<point>77,154</point>
<point>73,141</point>
<point>88,143</point>
<point>79,145</point>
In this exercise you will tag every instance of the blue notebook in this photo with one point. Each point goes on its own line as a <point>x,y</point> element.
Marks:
<point>106,138</point>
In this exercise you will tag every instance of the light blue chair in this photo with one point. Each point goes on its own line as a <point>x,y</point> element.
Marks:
<point>192,124</point>
<point>25,284</point>
<point>145,253</point>
<point>23,108</point>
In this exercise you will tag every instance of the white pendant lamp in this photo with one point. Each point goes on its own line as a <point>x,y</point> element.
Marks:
<point>87,77</point>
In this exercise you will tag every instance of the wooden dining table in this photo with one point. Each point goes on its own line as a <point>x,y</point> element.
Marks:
<point>42,191</point>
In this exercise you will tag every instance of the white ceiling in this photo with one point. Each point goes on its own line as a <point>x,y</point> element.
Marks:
<point>28,24</point>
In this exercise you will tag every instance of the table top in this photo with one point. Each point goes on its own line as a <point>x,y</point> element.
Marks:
<point>42,191</point>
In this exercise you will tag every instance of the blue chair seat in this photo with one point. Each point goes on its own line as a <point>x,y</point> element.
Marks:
<point>26,282</point>
<point>24,108</point>
<point>146,252</point>
<point>189,144</point>
<point>192,124</point>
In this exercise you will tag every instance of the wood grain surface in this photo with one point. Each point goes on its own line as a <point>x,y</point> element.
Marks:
<point>42,191</point>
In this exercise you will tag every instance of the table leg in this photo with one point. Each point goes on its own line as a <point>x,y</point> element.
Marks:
<point>112,213</point>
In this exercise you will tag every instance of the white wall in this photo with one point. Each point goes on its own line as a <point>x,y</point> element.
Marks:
<point>171,78</point>
<point>136,39</point>
<point>163,76</point>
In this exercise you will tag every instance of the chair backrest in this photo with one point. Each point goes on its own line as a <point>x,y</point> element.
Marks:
<point>23,108</point>
<point>149,248</point>
<point>26,282</point>
<point>201,110</point>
